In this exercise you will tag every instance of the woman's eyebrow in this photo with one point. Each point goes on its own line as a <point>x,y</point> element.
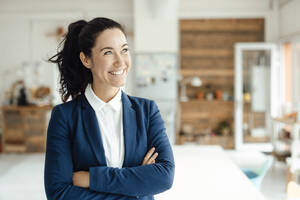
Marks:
<point>112,48</point>
<point>106,48</point>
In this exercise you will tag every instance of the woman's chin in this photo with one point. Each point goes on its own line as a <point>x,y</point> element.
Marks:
<point>118,85</point>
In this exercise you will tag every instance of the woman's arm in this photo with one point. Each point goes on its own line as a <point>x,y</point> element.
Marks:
<point>82,178</point>
<point>59,166</point>
<point>141,180</point>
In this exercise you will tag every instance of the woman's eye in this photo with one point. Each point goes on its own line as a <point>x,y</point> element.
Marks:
<point>125,50</point>
<point>107,53</point>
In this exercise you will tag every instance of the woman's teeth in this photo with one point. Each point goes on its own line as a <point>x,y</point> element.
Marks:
<point>117,72</point>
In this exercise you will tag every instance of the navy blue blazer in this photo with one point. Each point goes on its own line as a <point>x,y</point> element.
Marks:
<point>74,144</point>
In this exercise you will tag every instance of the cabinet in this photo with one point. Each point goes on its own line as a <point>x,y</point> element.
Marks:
<point>24,128</point>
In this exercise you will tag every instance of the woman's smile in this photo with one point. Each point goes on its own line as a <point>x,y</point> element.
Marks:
<point>117,73</point>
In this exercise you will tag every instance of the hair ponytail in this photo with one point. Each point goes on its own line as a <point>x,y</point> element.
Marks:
<point>74,77</point>
<point>81,37</point>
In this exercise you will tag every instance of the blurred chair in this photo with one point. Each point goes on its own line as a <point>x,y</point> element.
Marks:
<point>256,175</point>
<point>254,164</point>
<point>293,191</point>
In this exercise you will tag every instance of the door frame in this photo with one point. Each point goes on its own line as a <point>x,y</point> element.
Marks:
<point>238,93</point>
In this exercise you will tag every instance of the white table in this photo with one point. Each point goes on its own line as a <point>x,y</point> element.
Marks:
<point>207,173</point>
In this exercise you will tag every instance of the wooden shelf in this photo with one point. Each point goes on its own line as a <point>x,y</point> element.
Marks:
<point>207,52</point>
<point>17,148</point>
<point>206,63</point>
<point>27,108</point>
<point>207,72</point>
<point>24,128</point>
<point>221,39</point>
<point>225,141</point>
<point>192,100</point>
<point>249,138</point>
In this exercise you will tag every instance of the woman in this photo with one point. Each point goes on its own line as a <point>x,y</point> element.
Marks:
<point>103,144</point>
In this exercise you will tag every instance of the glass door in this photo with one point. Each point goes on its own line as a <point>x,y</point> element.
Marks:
<point>254,66</point>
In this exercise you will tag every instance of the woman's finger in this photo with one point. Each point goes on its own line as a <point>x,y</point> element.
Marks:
<point>151,160</point>
<point>153,157</point>
<point>149,154</point>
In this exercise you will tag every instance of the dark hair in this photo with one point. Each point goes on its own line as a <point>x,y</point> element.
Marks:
<point>81,36</point>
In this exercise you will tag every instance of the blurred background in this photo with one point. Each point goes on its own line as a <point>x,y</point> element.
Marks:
<point>225,76</point>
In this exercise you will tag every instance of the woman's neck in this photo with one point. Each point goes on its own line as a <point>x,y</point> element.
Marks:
<point>105,93</point>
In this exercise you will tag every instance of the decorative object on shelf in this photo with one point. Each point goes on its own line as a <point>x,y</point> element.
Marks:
<point>42,92</point>
<point>22,99</point>
<point>292,117</point>
<point>226,95</point>
<point>247,97</point>
<point>186,134</point>
<point>17,94</point>
<point>209,94</point>
<point>194,81</point>
<point>224,128</point>
<point>42,96</point>
<point>218,94</point>
<point>187,129</point>
<point>58,33</point>
<point>200,95</point>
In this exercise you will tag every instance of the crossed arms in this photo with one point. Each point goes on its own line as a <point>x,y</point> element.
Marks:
<point>106,182</point>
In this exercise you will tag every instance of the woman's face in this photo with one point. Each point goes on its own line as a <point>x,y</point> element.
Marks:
<point>110,60</point>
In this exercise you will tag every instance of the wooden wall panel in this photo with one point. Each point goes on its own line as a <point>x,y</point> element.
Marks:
<point>197,63</point>
<point>207,51</point>
<point>225,25</point>
<point>204,40</point>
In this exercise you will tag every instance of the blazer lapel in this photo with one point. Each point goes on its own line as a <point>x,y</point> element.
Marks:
<point>129,130</point>
<point>91,129</point>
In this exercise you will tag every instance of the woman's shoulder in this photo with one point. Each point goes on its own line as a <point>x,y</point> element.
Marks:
<point>141,103</point>
<point>139,100</point>
<point>68,106</point>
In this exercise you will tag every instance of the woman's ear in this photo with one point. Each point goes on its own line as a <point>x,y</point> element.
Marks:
<point>85,60</point>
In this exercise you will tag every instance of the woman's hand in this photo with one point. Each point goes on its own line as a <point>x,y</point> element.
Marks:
<point>150,157</point>
<point>81,179</point>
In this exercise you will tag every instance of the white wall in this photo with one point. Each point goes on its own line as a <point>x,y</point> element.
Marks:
<point>289,23</point>
<point>153,31</point>
<point>289,16</point>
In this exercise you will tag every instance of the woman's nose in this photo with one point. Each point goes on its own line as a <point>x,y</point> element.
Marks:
<point>118,60</point>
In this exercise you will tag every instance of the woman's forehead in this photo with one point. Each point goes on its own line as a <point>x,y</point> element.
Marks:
<point>111,38</point>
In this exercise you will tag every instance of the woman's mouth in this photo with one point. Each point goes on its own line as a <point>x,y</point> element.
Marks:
<point>115,73</point>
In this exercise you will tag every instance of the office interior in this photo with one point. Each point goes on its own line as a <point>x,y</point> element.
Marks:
<point>224,74</point>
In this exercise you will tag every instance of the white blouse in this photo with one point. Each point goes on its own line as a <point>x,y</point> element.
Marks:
<point>110,121</point>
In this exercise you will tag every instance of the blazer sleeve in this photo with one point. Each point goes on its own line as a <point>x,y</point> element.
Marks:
<point>58,170</point>
<point>140,180</point>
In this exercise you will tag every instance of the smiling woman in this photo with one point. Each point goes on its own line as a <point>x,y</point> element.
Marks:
<point>110,62</point>
<point>103,144</point>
